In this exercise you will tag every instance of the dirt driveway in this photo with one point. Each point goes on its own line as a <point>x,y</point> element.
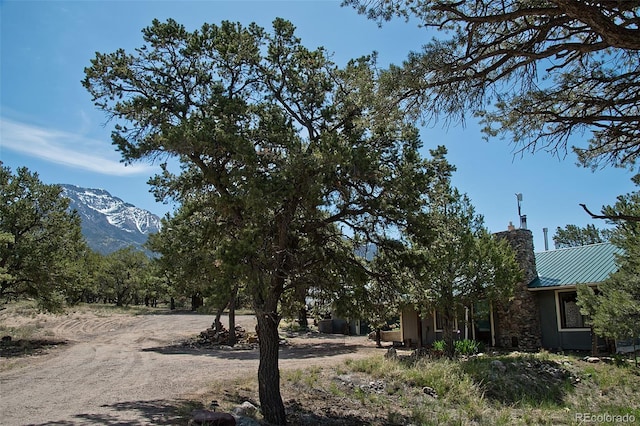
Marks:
<point>130,370</point>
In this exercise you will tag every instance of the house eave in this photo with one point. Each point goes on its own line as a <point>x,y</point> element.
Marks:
<point>561,287</point>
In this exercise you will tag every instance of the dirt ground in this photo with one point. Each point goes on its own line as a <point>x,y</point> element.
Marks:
<point>120,369</point>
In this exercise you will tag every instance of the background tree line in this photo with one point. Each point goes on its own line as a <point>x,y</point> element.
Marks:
<point>45,257</point>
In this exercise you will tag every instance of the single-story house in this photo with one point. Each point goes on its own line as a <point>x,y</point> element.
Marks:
<point>543,312</point>
<point>562,325</point>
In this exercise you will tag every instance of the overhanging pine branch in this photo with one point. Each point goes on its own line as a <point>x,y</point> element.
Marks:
<point>611,217</point>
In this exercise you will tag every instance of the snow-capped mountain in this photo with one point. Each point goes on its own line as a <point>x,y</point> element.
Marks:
<point>108,223</point>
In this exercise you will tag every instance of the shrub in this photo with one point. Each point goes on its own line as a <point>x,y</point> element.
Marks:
<point>439,346</point>
<point>466,347</point>
<point>461,347</point>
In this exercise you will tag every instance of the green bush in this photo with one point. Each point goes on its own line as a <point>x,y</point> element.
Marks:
<point>461,347</point>
<point>439,345</point>
<point>466,347</point>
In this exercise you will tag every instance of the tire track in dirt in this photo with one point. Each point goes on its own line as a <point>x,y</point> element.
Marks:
<point>79,326</point>
<point>104,366</point>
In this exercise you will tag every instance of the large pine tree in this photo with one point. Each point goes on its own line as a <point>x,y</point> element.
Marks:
<point>297,161</point>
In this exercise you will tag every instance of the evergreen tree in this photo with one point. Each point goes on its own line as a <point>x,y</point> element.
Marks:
<point>124,276</point>
<point>295,159</point>
<point>188,244</point>
<point>536,72</point>
<point>454,260</point>
<point>42,245</point>
<point>614,311</point>
<point>575,236</point>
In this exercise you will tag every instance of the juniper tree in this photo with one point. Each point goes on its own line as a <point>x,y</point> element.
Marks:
<point>574,236</point>
<point>453,260</point>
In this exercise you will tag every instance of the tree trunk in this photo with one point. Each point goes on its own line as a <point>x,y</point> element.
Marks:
<point>302,319</point>
<point>378,338</point>
<point>232,320</point>
<point>120,298</point>
<point>196,301</point>
<point>268,373</point>
<point>447,331</point>
<point>217,325</point>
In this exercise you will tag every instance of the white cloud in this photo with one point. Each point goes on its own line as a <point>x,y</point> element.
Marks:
<point>66,149</point>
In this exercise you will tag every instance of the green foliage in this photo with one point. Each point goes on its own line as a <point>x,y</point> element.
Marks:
<point>288,162</point>
<point>6,239</point>
<point>466,347</point>
<point>615,311</point>
<point>453,260</point>
<point>536,73</point>
<point>42,250</point>
<point>439,345</point>
<point>125,276</point>
<point>188,258</point>
<point>574,236</point>
<point>462,347</point>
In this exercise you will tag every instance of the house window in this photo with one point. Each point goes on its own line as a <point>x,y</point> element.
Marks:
<point>570,316</point>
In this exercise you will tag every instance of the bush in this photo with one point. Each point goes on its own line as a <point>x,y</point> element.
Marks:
<point>466,347</point>
<point>439,345</point>
<point>461,347</point>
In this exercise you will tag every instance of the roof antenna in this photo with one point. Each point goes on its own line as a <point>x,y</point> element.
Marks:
<point>523,218</point>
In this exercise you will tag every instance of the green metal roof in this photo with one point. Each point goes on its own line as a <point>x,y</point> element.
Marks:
<point>575,265</point>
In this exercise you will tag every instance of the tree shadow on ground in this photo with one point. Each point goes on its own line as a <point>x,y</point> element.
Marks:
<point>312,349</point>
<point>28,347</point>
<point>163,311</point>
<point>155,412</point>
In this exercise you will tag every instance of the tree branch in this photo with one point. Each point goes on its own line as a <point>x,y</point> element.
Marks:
<point>611,217</point>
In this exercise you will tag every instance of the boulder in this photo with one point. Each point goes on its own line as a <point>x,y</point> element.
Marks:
<point>246,409</point>
<point>498,365</point>
<point>391,353</point>
<point>427,390</point>
<point>211,418</point>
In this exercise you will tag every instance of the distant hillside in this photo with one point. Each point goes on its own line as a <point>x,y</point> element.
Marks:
<point>108,223</point>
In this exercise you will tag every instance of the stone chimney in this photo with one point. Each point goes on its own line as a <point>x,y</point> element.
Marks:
<point>517,322</point>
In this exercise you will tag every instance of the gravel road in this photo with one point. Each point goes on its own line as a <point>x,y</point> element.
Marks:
<point>131,370</point>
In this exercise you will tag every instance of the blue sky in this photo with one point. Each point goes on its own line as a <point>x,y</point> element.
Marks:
<point>49,124</point>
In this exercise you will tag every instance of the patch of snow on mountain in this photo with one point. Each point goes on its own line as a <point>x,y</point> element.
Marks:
<point>123,215</point>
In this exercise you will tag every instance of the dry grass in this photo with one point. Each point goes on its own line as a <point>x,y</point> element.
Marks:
<point>532,389</point>
<point>506,389</point>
